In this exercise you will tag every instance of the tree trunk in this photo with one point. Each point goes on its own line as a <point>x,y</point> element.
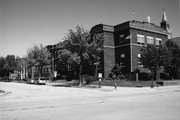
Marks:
<point>80,71</point>
<point>152,79</point>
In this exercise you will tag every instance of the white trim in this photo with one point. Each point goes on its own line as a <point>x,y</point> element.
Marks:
<point>141,45</point>
<point>131,52</point>
<point>140,35</point>
<point>149,37</point>
<point>123,45</point>
<point>131,44</point>
<point>159,39</point>
<point>106,46</point>
<point>164,33</point>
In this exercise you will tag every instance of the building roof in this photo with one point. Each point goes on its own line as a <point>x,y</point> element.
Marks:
<point>164,18</point>
<point>146,26</point>
<point>102,27</point>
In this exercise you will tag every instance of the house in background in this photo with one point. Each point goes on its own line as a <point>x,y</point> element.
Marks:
<point>15,75</point>
<point>48,71</point>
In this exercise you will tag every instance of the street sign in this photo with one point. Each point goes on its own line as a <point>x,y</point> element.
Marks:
<point>96,63</point>
<point>55,73</point>
<point>99,75</point>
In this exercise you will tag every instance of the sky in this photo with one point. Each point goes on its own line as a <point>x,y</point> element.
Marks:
<point>25,23</point>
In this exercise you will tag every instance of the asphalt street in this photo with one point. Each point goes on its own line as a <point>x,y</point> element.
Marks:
<point>38,102</point>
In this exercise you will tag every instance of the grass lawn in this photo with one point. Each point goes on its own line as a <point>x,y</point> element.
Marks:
<point>123,83</point>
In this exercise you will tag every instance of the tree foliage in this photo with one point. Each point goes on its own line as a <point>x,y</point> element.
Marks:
<point>38,56</point>
<point>2,67</point>
<point>152,58</point>
<point>8,64</point>
<point>167,56</point>
<point>116,71</point>
<point>81,49</point>
<point>172,58</point>
<point>63,57</point>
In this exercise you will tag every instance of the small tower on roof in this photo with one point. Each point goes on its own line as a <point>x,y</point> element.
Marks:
<point>165,24</point>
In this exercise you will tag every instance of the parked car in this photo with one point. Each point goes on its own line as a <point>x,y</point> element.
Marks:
<point>40,80</point>
<point>31,81</point>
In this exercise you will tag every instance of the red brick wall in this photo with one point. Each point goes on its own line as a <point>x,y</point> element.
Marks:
<point>136,47</point>
<point>109,52</point>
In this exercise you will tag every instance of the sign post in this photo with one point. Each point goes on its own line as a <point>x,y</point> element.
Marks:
<point>100,78</point>
<point>55,74</point>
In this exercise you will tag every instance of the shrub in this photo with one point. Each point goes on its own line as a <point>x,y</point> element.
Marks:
<point>165,76</point>
<point>90,79</point>
<point>145,76</point>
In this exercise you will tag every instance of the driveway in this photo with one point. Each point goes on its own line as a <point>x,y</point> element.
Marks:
<point>37,102</point>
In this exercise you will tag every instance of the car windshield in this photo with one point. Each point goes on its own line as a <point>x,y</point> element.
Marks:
<point>42,78</point>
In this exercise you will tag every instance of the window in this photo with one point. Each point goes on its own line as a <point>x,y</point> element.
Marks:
<point>46,69</point>
<point>139,61</point>
<point>36,70</point>
<point>121,38</point>
<point>122,55</point>
<point>43,70</point>
<point>150,40</point>
<point>158,41</point>
<point>69,67</point>
<point>140,39</point>
<point>139,55</point>
<point>122,60</point>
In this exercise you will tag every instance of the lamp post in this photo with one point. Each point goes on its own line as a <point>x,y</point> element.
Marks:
<point>96,72</point>
<point>52,60</point>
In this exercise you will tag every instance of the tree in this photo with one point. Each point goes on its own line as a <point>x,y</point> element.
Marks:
<point>172,58</point>
<point>2,69</point>
<point>77,42</point>
<point>22,66</point>
<point>38,56</point>
<point>63,58</point>
<point>116,70</point>
<point>8,65</point>
<point>152,57</point>
<point>95,51</point>
<point>83,48</point>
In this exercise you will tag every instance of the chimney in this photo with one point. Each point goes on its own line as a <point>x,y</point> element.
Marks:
<point>148,19</point>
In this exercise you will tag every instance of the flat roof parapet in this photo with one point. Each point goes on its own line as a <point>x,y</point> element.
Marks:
<point>146,26</point>
<point>102,27</point>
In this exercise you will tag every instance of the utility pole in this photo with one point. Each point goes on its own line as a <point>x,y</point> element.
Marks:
<point>52,59</point>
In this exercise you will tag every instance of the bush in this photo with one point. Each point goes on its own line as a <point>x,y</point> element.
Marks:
<point>144,76</point>
<point>164,76</point>
<point>90,79</point>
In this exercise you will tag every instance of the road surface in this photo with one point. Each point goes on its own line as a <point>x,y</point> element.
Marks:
<point>39,102</point>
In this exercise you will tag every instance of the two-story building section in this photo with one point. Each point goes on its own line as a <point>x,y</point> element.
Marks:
<point>123,42</point>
